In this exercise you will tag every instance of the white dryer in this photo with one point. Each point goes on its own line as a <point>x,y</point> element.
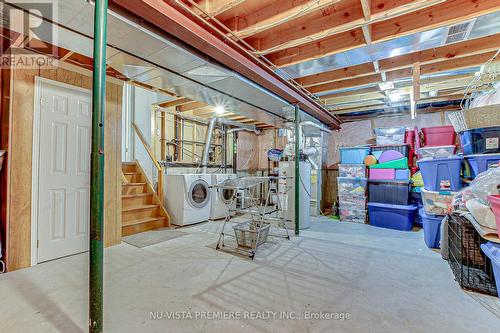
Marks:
<point>187,198</point>
<point>221,198</point>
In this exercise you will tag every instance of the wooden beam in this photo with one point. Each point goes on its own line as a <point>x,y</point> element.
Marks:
<point>453,51</point>
<point>354,98</point>
<point>337,74</point>
<point>191,106</point>
<point>367,12</point>
<point>433,68</point>
<point>174,103</point>
<point>342,42</point>
<point>349,83</point>
<point>279,12</point>
<point>416,82</point>
<point>344,16</point>
<point>449,12</point>
<point>217,7</point>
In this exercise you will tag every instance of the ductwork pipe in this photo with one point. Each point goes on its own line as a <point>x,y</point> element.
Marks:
<point>206,149</point>
<point>321,128</point>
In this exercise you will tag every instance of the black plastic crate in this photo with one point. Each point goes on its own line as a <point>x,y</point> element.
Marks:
<point>481,141</point>
<point>403,149</point>
<point>393,192</point>
<point>471,267</point>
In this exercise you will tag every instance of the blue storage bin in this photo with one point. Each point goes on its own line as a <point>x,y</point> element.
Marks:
<point>492,251</point>
<point>480,141</point>
<point>441,173</point>
<point>481,163</point>
<point>432,228</point>
<point>398,217</point>
<point>353,155</point>
<point>402,174</point>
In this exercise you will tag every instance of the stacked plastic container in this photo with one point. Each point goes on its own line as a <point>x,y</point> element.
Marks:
<point>389,181</point>
<point>481,149</point>
<point>441,174</point>
<point>352,184</point>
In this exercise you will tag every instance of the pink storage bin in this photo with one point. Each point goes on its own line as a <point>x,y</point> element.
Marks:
<point>382,174</point>
<point>439,136</point>
<point>495,207</point>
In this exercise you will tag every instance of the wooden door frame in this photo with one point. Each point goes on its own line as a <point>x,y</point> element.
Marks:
<point>35,164</point>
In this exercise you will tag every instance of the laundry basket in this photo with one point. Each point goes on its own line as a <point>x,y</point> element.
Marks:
<point>251,234</point>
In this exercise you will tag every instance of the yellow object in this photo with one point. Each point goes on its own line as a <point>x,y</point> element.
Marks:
<point>370,160</point>
<point>417,179</point>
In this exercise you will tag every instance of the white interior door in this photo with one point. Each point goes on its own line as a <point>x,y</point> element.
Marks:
<point>64,171</point>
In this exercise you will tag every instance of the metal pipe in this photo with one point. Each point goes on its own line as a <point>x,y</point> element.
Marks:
<point>206,149</point>
<point>297,169</point>
<point>96,275</point>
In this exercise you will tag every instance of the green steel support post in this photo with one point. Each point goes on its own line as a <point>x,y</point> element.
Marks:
<point>96,277</point>
<point>297,169</point>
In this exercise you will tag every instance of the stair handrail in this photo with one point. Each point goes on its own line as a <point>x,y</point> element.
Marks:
<point>159,168</point>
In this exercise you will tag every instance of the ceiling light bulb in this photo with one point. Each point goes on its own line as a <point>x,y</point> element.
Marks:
<point>219,109</point>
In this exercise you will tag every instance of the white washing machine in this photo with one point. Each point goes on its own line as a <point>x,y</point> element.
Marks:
<point>187,198</point>
<point>221,198</point>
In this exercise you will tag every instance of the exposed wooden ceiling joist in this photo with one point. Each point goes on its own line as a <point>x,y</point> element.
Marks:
<point>457,50</point>
<point>390,24</point>
<point>217,7</point>
<point>433,68</point>
<point>174,103</point>
<point>191,106</point>
<point>279,12</point>
<point>449,12</point>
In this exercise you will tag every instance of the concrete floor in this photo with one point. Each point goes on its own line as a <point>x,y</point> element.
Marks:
<point>383,280</point>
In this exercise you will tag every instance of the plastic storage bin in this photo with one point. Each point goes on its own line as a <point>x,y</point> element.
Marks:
<point>402,174</point>
<point>403,149</point>
<point>398,217</point>
<point>402,163</point>
<point>481,163</point>
<point>495,207</point>
<point>353,200</point>
<point>353,155</point>
<point>437,202</point>
<point>351,186</point>
<point>481,141</point>
<point>441,173</point>
<point>492,251</point>
<point>352,170</point>
<point>382,174</point>
<point>432,229</point>
<point>390,192</point>
<point>410,138</point>
<point>439,136</point>
<point>352,215</point>
<point>437,151</point>
<point>390,135</point>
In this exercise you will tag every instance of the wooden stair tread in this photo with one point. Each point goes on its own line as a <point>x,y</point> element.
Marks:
<point>131,173</point>
<point>132,208</point>
<point>133,184</point>
<point>143,220</point>
<point>145,194</point>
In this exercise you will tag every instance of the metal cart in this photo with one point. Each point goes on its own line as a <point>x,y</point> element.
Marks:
<point>251,233</point>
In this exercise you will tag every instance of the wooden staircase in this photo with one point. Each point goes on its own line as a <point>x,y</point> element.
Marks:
<point>142,210</point>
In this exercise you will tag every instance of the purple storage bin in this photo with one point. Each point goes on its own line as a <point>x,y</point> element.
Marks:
<point>396,217</point>
<point>441,173</point>
<point>481,163</point>
<point>492,251</point>
<point>382,174</point>
<point>402,174</point>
